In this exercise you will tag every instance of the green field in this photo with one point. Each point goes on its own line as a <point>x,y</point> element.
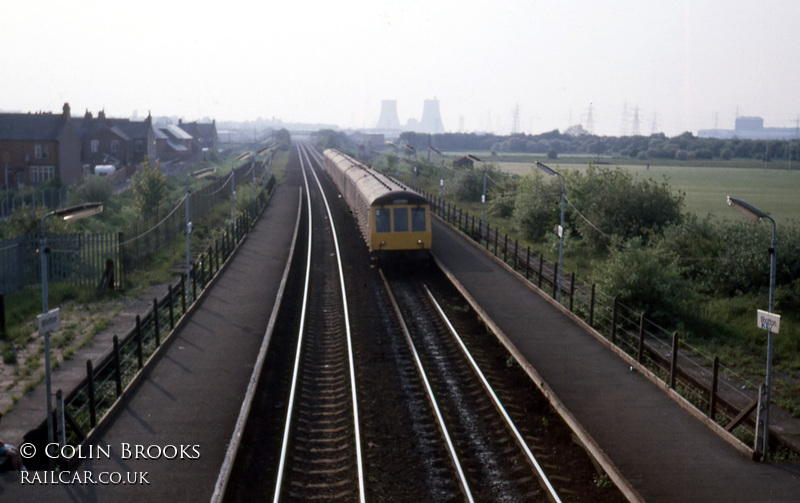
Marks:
<point>775,191</point>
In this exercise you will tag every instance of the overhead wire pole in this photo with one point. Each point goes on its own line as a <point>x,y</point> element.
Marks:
<point>240,157</point>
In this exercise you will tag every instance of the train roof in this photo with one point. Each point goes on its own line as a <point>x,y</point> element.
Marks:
<point>376,187</point>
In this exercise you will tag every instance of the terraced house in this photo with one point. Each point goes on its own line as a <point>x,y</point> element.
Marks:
<point>37,147</point>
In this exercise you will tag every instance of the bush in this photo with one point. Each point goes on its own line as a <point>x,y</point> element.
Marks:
<point>537,205</point>
<point>95,189</point>
<point>614,202</point>
<point>645,282</point>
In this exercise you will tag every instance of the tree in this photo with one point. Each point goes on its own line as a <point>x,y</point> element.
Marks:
<point>149,188</point>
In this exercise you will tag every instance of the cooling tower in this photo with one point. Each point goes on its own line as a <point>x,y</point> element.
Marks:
<point>431,118</point>
<point>388,120</point>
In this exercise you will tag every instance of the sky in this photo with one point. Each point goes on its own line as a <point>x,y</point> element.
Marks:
<point>677,66</point>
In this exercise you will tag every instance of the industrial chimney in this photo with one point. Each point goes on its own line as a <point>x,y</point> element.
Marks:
<point>388,120</point>
<point>431,118</point>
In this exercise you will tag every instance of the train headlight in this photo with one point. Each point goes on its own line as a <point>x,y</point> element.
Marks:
<point>420,243</point>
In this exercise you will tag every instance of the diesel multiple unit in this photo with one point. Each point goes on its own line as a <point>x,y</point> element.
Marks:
<point>392,217</point>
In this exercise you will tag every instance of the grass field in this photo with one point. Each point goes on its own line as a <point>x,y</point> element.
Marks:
<point>774,191</point>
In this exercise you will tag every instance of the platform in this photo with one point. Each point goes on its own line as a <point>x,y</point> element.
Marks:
<point>663,453</point>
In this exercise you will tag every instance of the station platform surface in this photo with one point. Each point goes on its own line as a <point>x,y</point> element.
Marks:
<point>662,451</point>
<point>185,407</point>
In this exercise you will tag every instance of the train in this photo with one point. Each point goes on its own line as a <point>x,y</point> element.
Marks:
<point>392,218</point>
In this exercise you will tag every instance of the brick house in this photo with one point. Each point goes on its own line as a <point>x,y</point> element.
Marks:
<point>35,148</point>
<point>121,142</point>
<point>102,143</point>
<point>204,135</point>
<point>173,143</point>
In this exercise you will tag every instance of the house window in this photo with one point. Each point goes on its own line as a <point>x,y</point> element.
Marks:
<point>41,174</point>
<point>95,146</point>
<point>40,151</point>
<point>115,146</point>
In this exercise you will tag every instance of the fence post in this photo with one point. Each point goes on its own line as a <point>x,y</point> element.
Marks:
<point>139,341</point>
<point>117,370</point>
<point>614,323</point>
<point>528,263</point>
<point>216,255</point>
<point>505,248</point>
<point>171,309</point>
<point>194,281</point>
<point>472,228</point>
<point>541,264</point>
<point>572,291</point>
<point>555,282</point>
<point>591,308</point>
<point>156,321</point>
<point>673,366</point>
<point>183,293</point>
<point>2,316</point>
<point>640,358</point>
<point>712,399</point>
<point>120,259</point>
<point>495,241</point>
<point>90,386</point>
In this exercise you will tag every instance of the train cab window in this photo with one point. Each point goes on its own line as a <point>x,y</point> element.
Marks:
<point>418,219</point>
<point>382,220</point>
<point>401,219</point>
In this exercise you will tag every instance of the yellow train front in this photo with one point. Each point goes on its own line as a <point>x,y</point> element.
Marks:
<point>393,219</point>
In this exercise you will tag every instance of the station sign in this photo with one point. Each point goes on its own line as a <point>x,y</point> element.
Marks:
<point>768,321</point>
<point>49,321</point>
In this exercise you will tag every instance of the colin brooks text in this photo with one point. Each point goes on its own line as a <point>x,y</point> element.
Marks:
<point>84,478</point>
<point>126,451</point>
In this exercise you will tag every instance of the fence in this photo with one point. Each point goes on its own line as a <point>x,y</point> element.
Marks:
<point>76,259</point>
<point>149,237</point>
<point>50,197</point>
<point>716,391</point>
<point>106,381</point>
<point>81,259</point>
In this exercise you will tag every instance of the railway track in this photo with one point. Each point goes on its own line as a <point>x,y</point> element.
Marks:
<point>343,413</point>
<point>321,451</point>
<point>493,461</point>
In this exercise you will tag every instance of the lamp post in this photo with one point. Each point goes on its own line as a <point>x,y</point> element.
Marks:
<point>66,214</point>
<point>551,171</point>
<point>441,181</point>
<point>757,215</point>
<point>483,198</point>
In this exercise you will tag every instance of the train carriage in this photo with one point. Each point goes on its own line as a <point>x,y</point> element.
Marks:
<point>391,217</point>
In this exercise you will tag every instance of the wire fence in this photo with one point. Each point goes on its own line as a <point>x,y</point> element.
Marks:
<point>88,259</point>
<point>717,391</point>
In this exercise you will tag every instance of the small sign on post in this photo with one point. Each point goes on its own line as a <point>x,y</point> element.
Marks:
<point>49,321</point>
<point>768,321</point>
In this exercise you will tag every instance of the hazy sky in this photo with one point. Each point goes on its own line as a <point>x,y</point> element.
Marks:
<point>683,64</point>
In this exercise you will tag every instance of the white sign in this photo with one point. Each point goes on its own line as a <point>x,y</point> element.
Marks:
<point>768,321</point>
<point>49,321</point>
